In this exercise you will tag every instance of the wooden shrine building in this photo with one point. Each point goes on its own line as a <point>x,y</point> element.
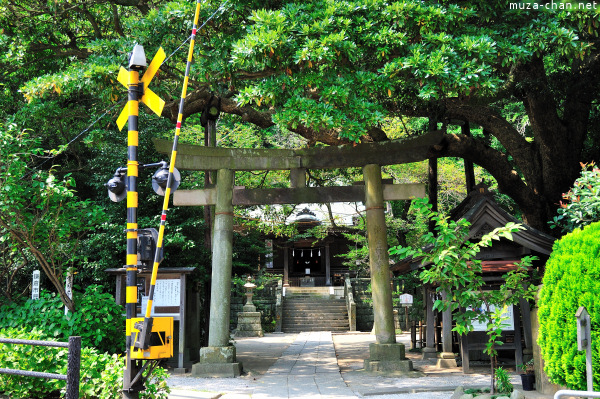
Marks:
<point>308,261</point>
<point>484,214</point>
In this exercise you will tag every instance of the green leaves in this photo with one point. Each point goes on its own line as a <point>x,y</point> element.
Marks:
<point>98,319</point>
<point>581,204</point>
<point>451,266</point>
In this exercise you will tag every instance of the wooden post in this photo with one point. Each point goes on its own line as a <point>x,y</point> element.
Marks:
<point>378,256</point>
<point>446,329</point>
<point>286,267</point>
<point>429,351</point>
<point>446,359</point>
<point>432,178</point>
<point>469,170</point>
<point>327,266</point>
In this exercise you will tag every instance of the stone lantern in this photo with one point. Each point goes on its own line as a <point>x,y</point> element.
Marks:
<point>249,319</point>
<point>249,287</point>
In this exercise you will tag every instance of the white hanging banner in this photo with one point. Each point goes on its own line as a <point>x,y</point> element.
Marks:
<point>69,286</point>
<point>35,285</point>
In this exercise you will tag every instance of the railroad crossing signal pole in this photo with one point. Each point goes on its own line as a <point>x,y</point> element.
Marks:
<point>137,90</point>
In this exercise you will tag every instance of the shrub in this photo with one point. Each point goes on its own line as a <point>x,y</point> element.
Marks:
<point>582,202</point>
<point>503,381</point>
<point>101,373</point>
<point>98,320</point>
<point>570,281</point>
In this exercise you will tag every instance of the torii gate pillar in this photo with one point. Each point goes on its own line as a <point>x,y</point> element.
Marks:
<point>218,359</point>
<point>385,353</point>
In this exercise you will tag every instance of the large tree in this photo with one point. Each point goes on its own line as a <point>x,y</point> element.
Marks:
<point>335,71</point>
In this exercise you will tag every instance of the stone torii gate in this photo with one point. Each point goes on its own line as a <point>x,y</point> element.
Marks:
<point>218,359</point>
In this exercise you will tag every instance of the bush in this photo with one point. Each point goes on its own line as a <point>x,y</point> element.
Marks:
<point>570,281</point>
<point>582,202</point>
<point>98,320</point>
<point>101,373</point>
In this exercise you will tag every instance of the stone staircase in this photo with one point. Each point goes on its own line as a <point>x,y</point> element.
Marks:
<point>313,309</point>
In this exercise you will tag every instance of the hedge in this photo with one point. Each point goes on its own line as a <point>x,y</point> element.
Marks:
<point>571,280</point>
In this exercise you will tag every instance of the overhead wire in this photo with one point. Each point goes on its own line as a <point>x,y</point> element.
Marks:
<point>110,109</point>
<point>107,111</point>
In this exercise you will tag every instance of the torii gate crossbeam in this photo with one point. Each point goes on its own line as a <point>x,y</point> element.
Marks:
<point>219,358</point>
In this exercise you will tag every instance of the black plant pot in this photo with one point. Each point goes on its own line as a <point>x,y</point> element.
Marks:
<point>527,380</point>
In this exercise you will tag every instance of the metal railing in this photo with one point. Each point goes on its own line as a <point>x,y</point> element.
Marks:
<point>73,363</point>
<point>578,394</point>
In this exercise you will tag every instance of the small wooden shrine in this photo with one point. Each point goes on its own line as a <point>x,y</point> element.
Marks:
<point>484,214</point>
<point>308,261</point>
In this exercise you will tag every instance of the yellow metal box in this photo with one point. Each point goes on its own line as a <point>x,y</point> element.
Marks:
<point>161,340</point>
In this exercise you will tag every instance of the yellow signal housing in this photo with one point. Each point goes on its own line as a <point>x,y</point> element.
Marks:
<point>161,341</point>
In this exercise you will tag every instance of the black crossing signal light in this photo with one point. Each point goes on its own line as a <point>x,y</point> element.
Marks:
<point>160,178</point>
<point>116,186</point>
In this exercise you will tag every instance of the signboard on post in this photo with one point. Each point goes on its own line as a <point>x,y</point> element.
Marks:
<point>269,255</point>
<point>35,285</point>
<point>406,300</point>
<point>507,325</point>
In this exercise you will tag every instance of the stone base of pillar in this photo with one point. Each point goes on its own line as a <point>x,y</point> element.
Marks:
<point>446,360</point>
<point>387,357</point>
<point>217,361</point>
<point>248,325</point>
<point>429,353</point>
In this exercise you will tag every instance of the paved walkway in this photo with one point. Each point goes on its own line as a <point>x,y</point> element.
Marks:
<point>307,369</point>
<point>317,365</point>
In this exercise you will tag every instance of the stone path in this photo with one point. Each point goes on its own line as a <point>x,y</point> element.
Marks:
<point>307,369</point>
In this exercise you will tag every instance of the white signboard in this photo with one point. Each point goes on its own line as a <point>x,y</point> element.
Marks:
<point>406,299</point>
<point>269,255</point>
<point>508,323</point>
<point>145,305</point>
<point>35,285</point>
<point>167,292</point>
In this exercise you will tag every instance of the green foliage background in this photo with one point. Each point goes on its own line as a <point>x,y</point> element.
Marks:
<point>101,373</point>
<point>570,281</point>
<point>98,320</point>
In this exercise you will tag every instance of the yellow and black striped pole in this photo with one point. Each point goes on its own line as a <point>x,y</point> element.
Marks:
<point>131,293</point>
<point>144,336</point>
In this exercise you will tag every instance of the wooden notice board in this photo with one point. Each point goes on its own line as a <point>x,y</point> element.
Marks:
<point>169,296</point>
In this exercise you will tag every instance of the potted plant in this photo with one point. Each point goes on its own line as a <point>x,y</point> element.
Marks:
<point>527,375</point>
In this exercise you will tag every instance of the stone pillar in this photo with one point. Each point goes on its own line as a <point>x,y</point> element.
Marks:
<point>385,353</point>
<point>542,383</point>
<point>429,351</point>
<point>286,267</point>
<point>218,359</point>
<point>327,266</point>
<point>446,358</point>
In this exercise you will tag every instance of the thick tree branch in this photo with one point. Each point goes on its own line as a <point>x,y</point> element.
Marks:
<point>495,162</point>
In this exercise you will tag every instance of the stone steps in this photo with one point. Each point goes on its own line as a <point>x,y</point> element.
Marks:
<point>313,309</point>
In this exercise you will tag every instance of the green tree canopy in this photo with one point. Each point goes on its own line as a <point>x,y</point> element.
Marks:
<point>333,71</point>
